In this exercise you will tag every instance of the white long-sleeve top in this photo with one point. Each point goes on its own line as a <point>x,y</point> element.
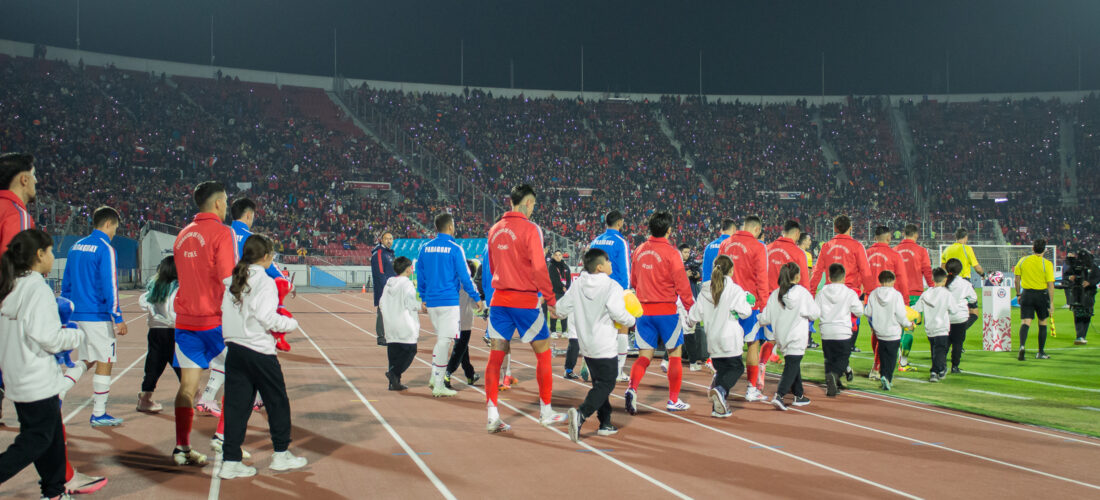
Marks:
<point>837,303</point>
<point>466,308</point>
<point>886,310</point>
<point>937,304</point>
<point>30,334</point>
<point>725,337</point>
<point>964,294</point>
<point>400,309</point>
<point>160,315</point>
<point>248,323</point>
<point>791,322</point>
<point>593,305</point>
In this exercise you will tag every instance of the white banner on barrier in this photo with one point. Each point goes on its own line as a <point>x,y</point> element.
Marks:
<point>996,318</point>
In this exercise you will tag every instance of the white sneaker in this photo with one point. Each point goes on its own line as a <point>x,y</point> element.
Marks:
<point>696,366</point>
<point>553,418</point>
<point>623,377</point>
<point>873,375</point>
<point>631,405</point>
<point>664,366</point>
<point>678,405</point>
<point>233,470</point>
<point>441,391</point>
<point>496,426</point>
<point>284,460</point>
<point>188,457</point>
<point>218,442</point>
<point>753,395</point>
<point>718,400</point>
<point>574,425</point>
<point>710,367</point>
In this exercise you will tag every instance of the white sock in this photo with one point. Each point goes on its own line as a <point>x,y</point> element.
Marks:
<point>545,408</point>
<point>904,360</point>
<point>217,378</point>
<point>624,346</point>
<point>440,355</point>
<point>507,365</point>
<point>72,375</point>
<point>101,385</point>
<point>493,413</point>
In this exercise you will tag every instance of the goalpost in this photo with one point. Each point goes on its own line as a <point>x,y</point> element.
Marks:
<point>1003,258</point>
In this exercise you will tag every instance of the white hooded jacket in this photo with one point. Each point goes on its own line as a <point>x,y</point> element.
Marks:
<point>790,323</point>
<point>161,315</point>
<point>248,323</point>
<point>400,307</point>
<point>886,311</point>
<point>32,334</point>
<point>837,303</point>
<point>964,295</point>
<point>593,305</point>
<point>938,305</point>
<point>725,337</point>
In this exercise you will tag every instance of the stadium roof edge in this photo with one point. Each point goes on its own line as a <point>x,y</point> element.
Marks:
<point>72,56</point>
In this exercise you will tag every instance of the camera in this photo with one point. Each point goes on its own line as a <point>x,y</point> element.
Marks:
<point>1079,264</point>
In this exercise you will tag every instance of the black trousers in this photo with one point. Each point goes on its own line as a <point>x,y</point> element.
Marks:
<point>400,357</point>
<point>40,441</point>
<point>162,346</point>
<point>553,323</point>
<point>571,354</point>
<point>939,353</point>
<point>837,354</point>
<point>695,346</point>
<point>380,327</point>
<point>727,371</point>
<point>888,357</point>
<point>1082,326</point>
<point>956,336</point>
<point>603,372</point>
<point>791,381</point>
<point>460,354</point>
<point>246,373</point>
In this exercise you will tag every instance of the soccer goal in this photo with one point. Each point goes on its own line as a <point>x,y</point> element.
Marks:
<point>1003,258</point>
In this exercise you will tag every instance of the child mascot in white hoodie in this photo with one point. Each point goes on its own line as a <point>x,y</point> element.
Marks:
<point>790,310</point>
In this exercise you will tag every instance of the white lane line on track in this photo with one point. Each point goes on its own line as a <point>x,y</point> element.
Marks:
<point>443,490</point>
<point>613,460</point>
<point>720,431</point>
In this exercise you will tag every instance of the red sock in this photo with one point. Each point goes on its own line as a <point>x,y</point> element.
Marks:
<point>221,419</point>
<point>766,352</point>
<point>544,373</point>
<point>753,375</point>
<point>874,350</point>
<point>492,376</point>
<point>69,472</point>
<point>184,415</point>
<point>638,371</point>
<point>675,377</point>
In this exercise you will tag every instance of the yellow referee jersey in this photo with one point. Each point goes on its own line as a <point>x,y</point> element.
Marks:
<point>964,253</point>
<point>1034,272</point>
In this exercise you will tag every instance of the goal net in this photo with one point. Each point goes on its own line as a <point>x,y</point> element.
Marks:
<point>1002,258</point>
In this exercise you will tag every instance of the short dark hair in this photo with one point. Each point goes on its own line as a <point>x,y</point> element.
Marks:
<point>841,224</point>
<point>103,215</point>
<point>593,258</point>
<point>442,220</point>
<point>886,277</point>
<point>240,206</point>
<point>911,230</point>
<point>881,230</point>
<point>613,217</point>
<point>803,237</point>
<point>400,264</point>
<point>728,224</point>
<point>521,191</point>
<point>961,233</point>
<point>938,275</point>
<point>1039,246</point>
<point>752,219</point>
<point>13,164</point>
<point>836,272</point>
<point>205,191</point>
<point>660,223</point>
<point>791,224</point>
<point>683,246</point>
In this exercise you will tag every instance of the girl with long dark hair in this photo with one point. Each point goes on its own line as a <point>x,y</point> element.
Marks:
<point>790,310</point>
<point>157,301</point>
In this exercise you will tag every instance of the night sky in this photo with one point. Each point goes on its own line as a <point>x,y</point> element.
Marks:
<point>749,47</point>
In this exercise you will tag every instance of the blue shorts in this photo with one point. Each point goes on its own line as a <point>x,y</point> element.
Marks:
<point>753,331</point>
<point>196,349</point>
<point>654,331</point>
<point>505,321</point>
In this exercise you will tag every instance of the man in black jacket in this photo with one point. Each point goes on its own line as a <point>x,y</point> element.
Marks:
<point>561,278</point>
<point>381,266</point>
<point>695,342</point>
<point>1081,277</point>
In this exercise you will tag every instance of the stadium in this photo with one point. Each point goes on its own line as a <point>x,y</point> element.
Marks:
<point>935,162</point>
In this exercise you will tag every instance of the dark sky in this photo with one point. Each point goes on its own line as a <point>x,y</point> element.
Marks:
<point>749,47</point>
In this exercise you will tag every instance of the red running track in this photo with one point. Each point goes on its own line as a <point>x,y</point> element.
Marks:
<point>364,441</point>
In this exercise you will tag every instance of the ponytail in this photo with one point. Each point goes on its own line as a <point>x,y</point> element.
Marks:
<point>953,268</point>
<point>21,256</point>
<point>787,279</point>
<point>256,247</point>
<point>723,265</point>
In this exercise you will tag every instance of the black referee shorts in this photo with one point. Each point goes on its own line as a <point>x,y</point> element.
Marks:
<point>1034,303</point>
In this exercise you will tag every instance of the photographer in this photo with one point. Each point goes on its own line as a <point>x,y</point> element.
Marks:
<point>695,341</point>
<point>1080,279</point>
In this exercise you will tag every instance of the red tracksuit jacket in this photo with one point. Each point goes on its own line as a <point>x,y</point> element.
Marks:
<point>750,265</point>
<point>880,257</point>
<point>205,252</point>
<point>918,267</point>
<point>13,218</point>
<point>517,262</point>
<point>658,277</point>
<point>782,251</point>
<point>846,251</point>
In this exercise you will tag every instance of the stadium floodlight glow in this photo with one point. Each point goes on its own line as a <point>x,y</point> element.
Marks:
<point>999,200</point>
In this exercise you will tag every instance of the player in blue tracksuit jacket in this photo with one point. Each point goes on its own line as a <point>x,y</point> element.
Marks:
<point>440,271</point>
<point>243,212</point>
<point>729,226</point>
<point>615,245</point>
<point>91,283</point>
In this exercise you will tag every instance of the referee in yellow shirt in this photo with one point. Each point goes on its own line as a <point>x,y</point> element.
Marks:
<point>1035,275</point>
<point>961,250</point>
